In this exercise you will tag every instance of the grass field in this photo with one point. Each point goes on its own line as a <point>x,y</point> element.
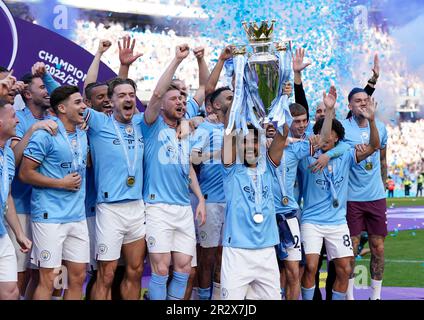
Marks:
<point>405,202</point>
<point>404,256</point>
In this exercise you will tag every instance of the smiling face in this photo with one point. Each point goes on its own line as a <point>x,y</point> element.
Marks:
<point>299,125</point>
<point>124,102</point>
<point>36,92</point>
<point>251,148</point>
<point>73,109</point>
<point>99,100</point>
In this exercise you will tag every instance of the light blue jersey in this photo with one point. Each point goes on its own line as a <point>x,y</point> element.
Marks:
<point>166,165</point>
<point>309,129</point>
<point>316,190</point>
<point>365,185</point>
<point>284,177</point>
<point>21,192</point>
<point>8,164</point>
<point>240,229</point>
<point>53,153</point>
<point>208,139</point>
<point>192,109</point>
<point>109,160</point>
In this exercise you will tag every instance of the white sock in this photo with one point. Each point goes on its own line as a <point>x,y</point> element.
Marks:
<point>21,297</point>
<point>216,291</point>
<point>194,294</point>
<point>376,289</point>
<point>349,292</point>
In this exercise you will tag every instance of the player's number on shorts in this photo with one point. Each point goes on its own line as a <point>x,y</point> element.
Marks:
<point>296,242</point>
<point>346,240</point>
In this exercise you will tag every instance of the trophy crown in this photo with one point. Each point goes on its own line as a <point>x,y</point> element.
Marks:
<point>263,33</point>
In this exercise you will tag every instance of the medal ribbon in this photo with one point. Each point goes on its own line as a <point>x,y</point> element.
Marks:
<point>130,166</point>
<point>5,180</point>
<point>76,152</point>
<point>257,188</point>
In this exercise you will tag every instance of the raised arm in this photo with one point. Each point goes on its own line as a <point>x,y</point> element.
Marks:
<point>276,149</point>
<point>370,87</point>
<point>329,102</point>
<point>216,72</point>
<point>93,71</point>
<point>153,108</point>
<point>203,75</point>
<point>126,56</point>
<point>374,144</point>
<point>298,66</point>
<point>7,84</point>
<point>229,146</point>
<point>39,69</point>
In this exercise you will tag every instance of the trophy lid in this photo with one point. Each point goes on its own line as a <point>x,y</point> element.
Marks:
<point>263,33</point>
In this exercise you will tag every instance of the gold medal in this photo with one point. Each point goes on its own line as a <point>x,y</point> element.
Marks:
<point>285,201</point>
<point>368,166</point>
<point>130,181</point>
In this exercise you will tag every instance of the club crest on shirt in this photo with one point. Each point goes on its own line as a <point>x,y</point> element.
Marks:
<point>129,129</point>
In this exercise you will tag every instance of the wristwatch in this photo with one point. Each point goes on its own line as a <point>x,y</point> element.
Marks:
<point>372,81</point>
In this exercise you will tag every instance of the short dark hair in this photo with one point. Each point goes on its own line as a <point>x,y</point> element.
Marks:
<point>89,88</point>
<point>3,69</point>
<point>27,79</point>
<point>217,92</point>
<point>113,83</point>
<point>336,126</point>
<point>60,95</point>
<point>297,109</point>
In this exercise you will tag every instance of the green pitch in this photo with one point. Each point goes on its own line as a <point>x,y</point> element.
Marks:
<point>405,202</point>
<point>404,257</point>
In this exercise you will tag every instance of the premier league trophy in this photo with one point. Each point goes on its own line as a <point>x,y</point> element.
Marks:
<point>260,76</point>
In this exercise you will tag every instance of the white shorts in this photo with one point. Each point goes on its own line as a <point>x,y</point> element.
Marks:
<point>337,240</point>
<point>210,233</point>
<point>22,258</point>
<point>118,224</point>
<point>244,270</point>
<point>54,242</point>
<point>170,228</point>
<point>8,263</point>
<point>295,252</point>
